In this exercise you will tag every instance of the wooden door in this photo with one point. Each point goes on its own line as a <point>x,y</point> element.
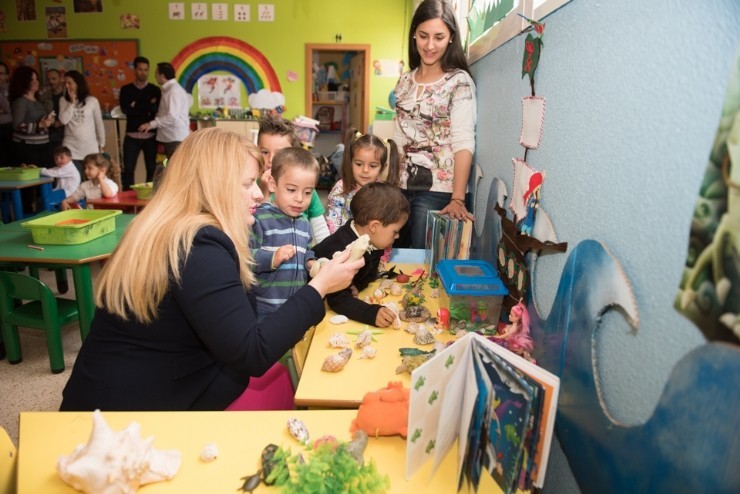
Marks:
<point>357,91</point>
<point>359,112</point>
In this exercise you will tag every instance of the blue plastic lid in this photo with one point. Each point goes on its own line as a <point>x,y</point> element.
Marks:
<point>470,277</point>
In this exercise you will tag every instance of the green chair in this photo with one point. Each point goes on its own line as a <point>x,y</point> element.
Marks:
<point>41,311</point>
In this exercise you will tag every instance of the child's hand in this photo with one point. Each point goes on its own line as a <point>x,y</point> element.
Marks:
<point>385,317</point>
<point>65,206</point>
<point>282,254</point>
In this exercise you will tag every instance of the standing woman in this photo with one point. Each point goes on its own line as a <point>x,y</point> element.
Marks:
<point>83,122</point>
<point>175,326</point>
<point>30,119</point>
<point>6,117</point>
<point>436,116</point>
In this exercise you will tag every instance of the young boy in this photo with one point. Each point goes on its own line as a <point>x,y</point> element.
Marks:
<point>66,173</point>
<point>379,210</point>
<point>281,232</point>
<point>276,133</point>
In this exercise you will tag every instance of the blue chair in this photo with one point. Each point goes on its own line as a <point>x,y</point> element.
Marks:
<point>41,311</point>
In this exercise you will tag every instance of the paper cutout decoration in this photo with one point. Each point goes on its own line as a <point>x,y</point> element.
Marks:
<point>525,193</point>
<point>532,48</point>
<point>510,262</point>
<point>219,91</point>
<point>533,118</point>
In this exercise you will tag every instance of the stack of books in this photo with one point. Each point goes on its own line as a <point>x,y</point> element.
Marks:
<point>447,238</point>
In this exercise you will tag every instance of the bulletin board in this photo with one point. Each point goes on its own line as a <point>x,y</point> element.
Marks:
<point>106,64</point>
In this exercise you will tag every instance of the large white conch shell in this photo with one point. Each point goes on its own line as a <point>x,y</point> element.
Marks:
<point>116,462</point>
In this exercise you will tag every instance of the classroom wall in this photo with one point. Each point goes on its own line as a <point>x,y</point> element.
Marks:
<point>634,91</point>
<point>380,23</point>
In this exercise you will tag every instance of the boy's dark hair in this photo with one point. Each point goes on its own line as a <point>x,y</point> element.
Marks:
<point>166,69</point>
<point>275,125</point>
<point>293,157</point>
<point>379,201</point>
<point>139,60</point>
<point>62,150</point>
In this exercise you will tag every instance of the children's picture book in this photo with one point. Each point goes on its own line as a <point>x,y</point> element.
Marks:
<point>447,238</point>
<point>499,407</point>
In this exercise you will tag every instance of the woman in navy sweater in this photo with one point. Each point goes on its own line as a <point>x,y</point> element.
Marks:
<point>175,326</point>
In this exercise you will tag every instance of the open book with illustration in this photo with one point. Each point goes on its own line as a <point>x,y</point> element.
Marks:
<point>498,406</point>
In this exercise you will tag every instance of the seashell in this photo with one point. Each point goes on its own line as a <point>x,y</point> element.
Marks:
<point>394,307</point>
<point>367,299</point>
<point>378,294</point>
<point>358,248</point>
<point>336,362</point>
<point>386,284</point>
<point>423,337</point>
<point>339,340</point>
<point>368,352</point>
<point>316,267</point>
<point>411,327</point>
<point>396,289</point>
<point>298,430</point>
<point>338,319</point>
<point>364,338</point>
<point>209,453</point>
<point>434,293</point>
<point>439,346</point>
<point>114,462</point>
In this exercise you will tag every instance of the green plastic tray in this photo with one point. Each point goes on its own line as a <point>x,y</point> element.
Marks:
<point>75,226</point>
<point>10,173</point>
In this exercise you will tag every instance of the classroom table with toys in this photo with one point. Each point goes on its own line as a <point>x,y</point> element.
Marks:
<point>345,389</point>
<point>238,437</point>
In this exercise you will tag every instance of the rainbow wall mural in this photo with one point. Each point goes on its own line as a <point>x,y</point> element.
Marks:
<point>228,54</point>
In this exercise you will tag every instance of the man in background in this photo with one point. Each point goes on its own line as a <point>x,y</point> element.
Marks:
<point>139,101</point>
<point>172,120</point>
<point>50,96</point>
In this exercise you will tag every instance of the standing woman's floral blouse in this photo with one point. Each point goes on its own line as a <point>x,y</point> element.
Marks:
<point>337,206</point>
<point>433,122</point>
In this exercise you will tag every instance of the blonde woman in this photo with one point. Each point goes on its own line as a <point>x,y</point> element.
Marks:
<point>175,326</point>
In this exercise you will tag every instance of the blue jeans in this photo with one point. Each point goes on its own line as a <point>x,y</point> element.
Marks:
<point>413,234</point>
<point>131,149</point>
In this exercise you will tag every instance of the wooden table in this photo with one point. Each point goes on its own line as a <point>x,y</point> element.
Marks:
<point>14,247</point>
<point>346,388</point>
<point>125,201</point>
<point>239,436</point>
<point>14,188</point>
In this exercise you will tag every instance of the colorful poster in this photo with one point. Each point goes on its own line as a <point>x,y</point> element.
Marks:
<point>56,22</point>
<point>216,91</point>
<point>709,293</point>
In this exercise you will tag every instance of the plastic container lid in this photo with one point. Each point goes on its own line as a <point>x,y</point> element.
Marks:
<point>470,277</point>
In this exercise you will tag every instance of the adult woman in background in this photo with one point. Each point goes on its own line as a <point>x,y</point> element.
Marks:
<point>436,116</point>
<point>83,122</point>
<point>30,119</point>
<point>175,327</point>
<point>6,117</point>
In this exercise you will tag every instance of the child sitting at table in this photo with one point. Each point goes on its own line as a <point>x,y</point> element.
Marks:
<point>281,231</point>
<point>66,173</point>
<point>379,210</point>
<point>97,166</point>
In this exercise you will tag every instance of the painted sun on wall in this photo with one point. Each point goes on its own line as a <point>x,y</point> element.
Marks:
<point>710,286</point>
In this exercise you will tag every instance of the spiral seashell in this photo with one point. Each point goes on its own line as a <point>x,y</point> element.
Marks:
<point>423,337</point>
<point>378,294</point>
<point>335,363</point>
<point>368,352</point>
<point>364,339</point>
<point>298,430</point>
<point>339,340</point>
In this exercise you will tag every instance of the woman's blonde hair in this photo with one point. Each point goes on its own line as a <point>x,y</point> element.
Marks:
<point>203,185</point>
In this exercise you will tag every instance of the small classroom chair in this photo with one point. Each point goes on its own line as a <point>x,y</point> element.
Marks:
<point>8,463</point>
<point>54,200</point>
<point>297,357</point>
<point>42,311</point>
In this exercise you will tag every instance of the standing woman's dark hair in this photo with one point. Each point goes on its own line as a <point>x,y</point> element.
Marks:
<point>20,82</point>
<point>454,57</point>
<point>83,90</point>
